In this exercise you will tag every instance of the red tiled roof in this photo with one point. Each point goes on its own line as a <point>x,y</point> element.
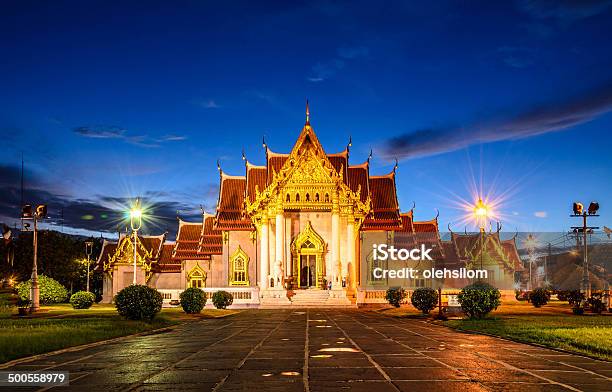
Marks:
<point>357,178</point>
<point>187,240</point>
<point>274,164</point>
<point>108,249</point>
<point>166,263</point>
<point>211,240</point>
<point>231,204</point>
<point>385,211</point>
<point>339,162</point>
<point>509,247</point>
<point>256,178</point>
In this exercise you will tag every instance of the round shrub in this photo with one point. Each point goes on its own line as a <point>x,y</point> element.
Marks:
<point>395,296</point>
<point>82,300</point>
<point>138,302</point>
<point>424,299</point>
<point>193,300</point>
<point>575,297</point>
<point>539,297</point>
<point>222,299</point>
<point>51,291</point>
<point>478,299</point>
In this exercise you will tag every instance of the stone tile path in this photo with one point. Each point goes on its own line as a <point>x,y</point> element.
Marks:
<point>322,350</point>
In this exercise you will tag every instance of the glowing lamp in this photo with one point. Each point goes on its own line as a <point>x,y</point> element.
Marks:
<point>481,210</point>
<point>578,208</point>
<point>136,217</point>
<point>593,208</point>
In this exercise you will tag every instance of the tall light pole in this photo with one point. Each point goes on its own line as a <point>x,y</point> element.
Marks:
<point>579,212</point>
<point>88,251</point>
<point>35,216</point>
<point>531,244</point>
<point>481,212</point>
<point>135,223</point>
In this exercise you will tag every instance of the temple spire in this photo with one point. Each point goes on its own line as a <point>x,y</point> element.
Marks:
<point>307,114</point>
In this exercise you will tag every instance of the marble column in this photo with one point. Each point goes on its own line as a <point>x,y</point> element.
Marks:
<point>335,246</point>
<point>350,251</point>
<point>280,252</point>
<point>264,261</point>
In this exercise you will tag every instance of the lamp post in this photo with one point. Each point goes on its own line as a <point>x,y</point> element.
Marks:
<point>88,251</point>
<point>35,216</point>
<point>481,211</point>
<point>135,224</point>
<point>579,212</point>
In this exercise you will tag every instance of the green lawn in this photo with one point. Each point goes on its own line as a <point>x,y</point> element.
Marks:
<point>553,325</point>
<point>590,335</point>
<point>60,326</point>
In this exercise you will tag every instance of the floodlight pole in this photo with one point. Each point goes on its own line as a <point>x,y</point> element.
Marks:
<point>585,285</point>
<point>134,246</point>
<point>34,289</point>
<point>88,250</point>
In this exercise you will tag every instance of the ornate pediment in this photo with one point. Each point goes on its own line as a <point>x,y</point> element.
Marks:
<point>307,181</point>
<point>309,169</point>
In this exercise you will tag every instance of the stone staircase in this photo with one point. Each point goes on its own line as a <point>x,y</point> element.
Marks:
<point>314,298</point>
<point>309,297</point>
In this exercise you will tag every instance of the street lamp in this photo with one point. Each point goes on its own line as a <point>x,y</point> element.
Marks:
<point>481,212</point>
<point>135,223</point>
<point>35,216</point>
<point>88,251</point>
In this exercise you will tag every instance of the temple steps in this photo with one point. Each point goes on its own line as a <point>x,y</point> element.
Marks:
<point>316,299</point>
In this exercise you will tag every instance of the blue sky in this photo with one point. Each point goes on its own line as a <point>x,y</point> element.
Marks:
<point>112,101</point>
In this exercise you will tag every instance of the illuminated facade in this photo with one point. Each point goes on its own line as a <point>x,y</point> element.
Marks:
<point>293,231</point>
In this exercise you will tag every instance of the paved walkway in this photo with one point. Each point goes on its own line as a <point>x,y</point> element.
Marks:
<point>323,350</point>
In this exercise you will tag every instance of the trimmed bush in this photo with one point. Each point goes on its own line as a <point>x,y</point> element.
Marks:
<point>138,302</point>
<point>222,299</point>
<point>82,300</point>
<point>395,296</point>
<point>478,299</point>
<point>575,297</point>
<point>51,291</point>
<point>596,303</point>
<point>424,299</point>
<point>539,297</point>
<point>193,300</point>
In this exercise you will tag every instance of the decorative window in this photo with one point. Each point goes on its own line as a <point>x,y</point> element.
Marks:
<point>239,268</point>
<point>196,277</point>
<point>307,196</point>
<point>288,198</point>
<point>327,197</point>
<point>297,197</point>
<point>317,198</point>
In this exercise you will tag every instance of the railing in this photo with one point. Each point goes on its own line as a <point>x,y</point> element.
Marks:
<point>242,295</point>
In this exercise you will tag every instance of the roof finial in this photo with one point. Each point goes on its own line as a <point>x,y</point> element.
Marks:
<point>395,166</point>
<point>370,156</point>
<point>307,113</point>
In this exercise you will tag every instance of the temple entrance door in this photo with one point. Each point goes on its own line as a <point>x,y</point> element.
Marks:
<point>308,271</point>
<point>308,250</point>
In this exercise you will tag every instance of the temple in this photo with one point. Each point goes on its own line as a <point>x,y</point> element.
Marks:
<point>299,231</point>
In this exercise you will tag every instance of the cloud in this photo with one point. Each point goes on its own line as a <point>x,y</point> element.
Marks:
<point>325,70</point>
<point>207,104</point>
<point>113,132</point>
<point>563,11</point>
<point>172,138</point>
<point>551,117</point>
<point>101,132</point>
<point>98,213</point>
<point>540,214</point>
